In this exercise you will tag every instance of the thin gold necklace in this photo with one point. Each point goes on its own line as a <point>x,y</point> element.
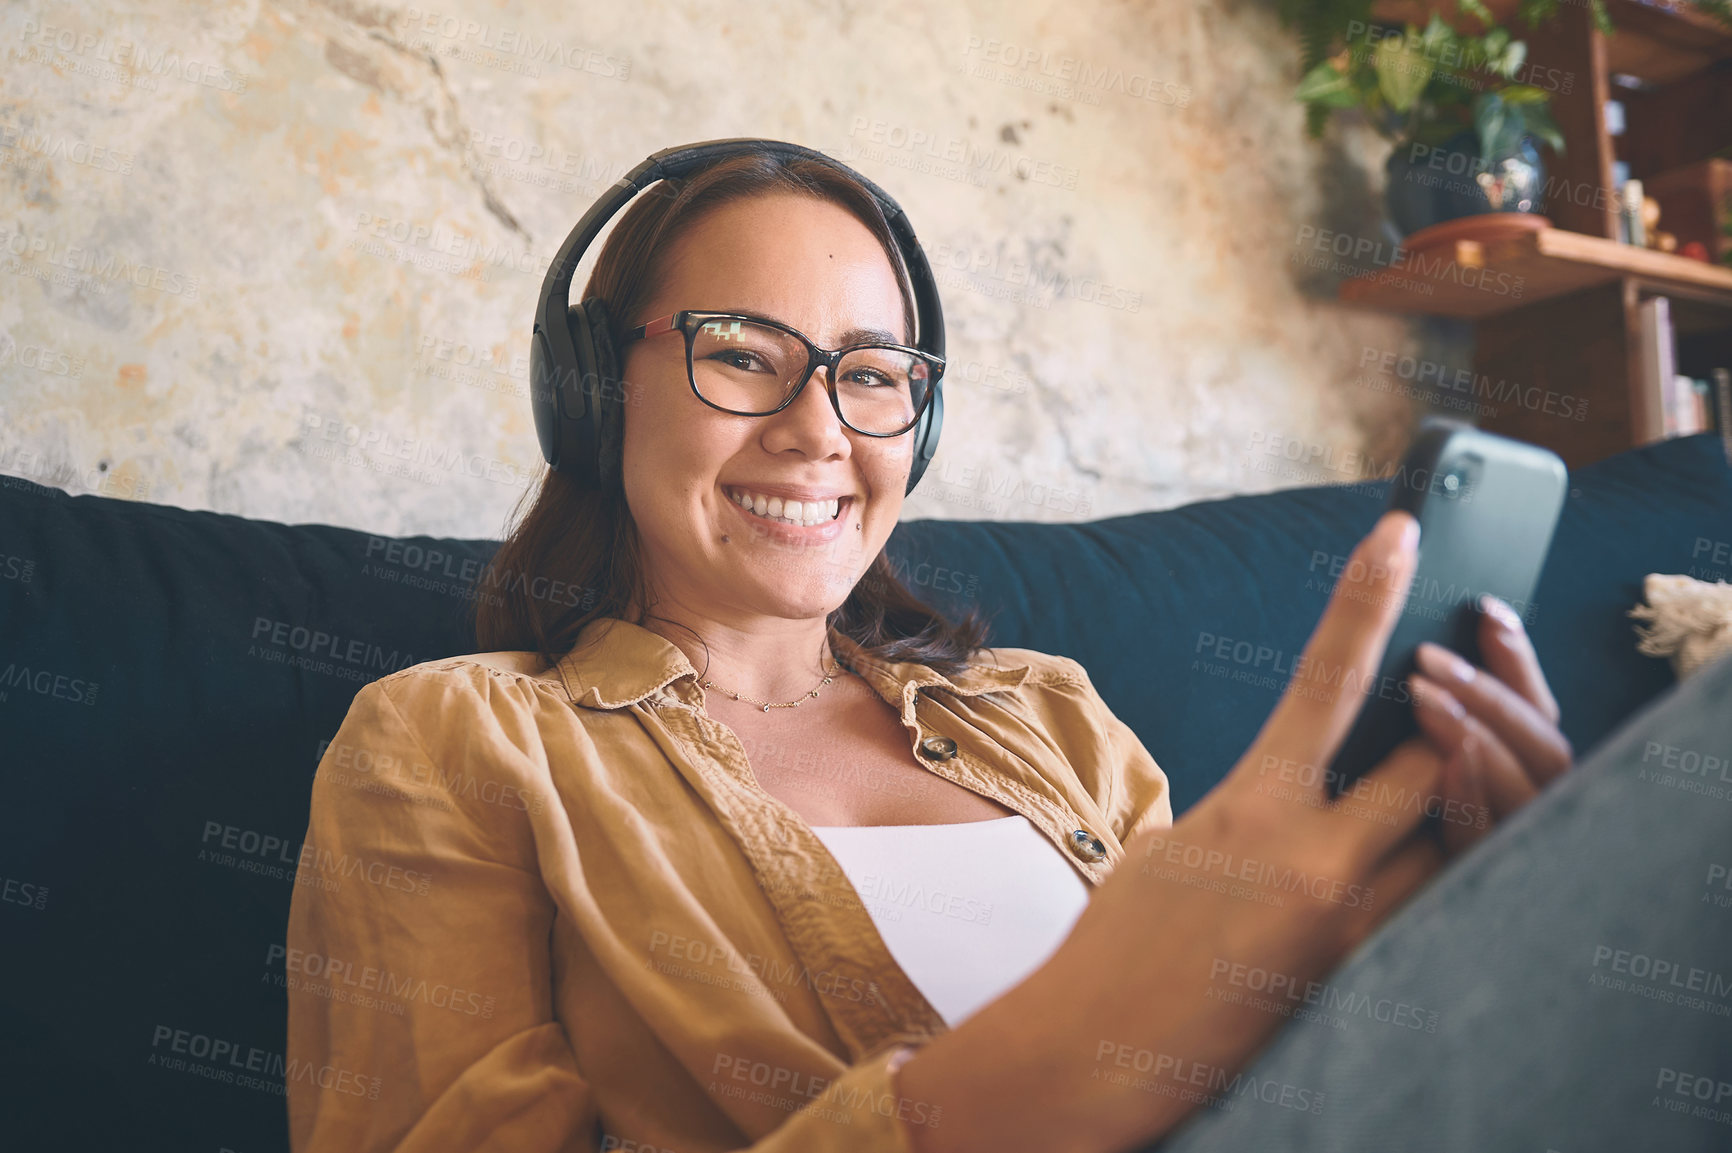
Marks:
<point>767,706</point>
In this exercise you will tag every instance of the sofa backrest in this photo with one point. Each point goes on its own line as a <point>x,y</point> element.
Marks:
<point>168,678</point>
<point>1188,620</point>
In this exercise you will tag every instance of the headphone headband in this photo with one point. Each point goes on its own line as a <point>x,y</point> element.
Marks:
<point>675,163</point>
<point>572,361</point>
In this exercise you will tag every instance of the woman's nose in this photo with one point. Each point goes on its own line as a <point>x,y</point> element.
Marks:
<point>812,409</point>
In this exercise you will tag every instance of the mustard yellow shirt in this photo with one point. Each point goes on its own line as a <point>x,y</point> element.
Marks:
<point>550,908</point>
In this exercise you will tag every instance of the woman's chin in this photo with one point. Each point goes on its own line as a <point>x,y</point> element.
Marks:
<point>820,571</point>
<point>786,595</point>
<point>816,608</point>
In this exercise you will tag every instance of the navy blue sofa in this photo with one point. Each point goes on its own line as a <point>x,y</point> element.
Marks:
<point>158,743</point>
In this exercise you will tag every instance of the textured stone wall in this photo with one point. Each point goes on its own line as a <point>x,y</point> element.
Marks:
<point>279,257</point>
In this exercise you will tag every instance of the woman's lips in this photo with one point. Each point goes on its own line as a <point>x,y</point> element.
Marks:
<point>776,530</point>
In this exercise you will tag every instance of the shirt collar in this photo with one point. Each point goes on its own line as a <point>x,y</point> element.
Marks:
<point>616,663</point>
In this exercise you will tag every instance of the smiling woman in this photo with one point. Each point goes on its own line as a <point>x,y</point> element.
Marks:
<point>751,849</point>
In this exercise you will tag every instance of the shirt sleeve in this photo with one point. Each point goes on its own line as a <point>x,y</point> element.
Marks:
<point>417,956</point>
<point>418,952</point>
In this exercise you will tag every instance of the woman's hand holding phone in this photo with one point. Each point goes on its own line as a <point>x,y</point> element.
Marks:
<point>1498,733</point>
<point>1269,873</point>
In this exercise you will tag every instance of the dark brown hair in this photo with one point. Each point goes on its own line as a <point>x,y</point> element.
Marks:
<point>574,556</point>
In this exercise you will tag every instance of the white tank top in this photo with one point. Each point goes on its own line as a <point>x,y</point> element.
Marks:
<point>967,910</point>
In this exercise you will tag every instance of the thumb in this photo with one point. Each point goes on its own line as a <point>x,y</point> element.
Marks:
<point>1340,661</point>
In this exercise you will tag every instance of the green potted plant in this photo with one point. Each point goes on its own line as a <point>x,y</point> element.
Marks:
<point>1464,113</point>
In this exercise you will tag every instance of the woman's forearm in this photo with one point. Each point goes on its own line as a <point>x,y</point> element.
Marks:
<point>1025,1072</point>
<point>1055,1063</point>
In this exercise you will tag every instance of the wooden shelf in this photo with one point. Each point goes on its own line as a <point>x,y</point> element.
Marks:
<point>1555,311</point>
<point>1662,43</point>
<point>1471,279</point>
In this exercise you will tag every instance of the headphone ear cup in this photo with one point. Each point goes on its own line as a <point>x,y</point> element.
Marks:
<point>606,395</point>
<point>926,437</point>
<point>576,409</point>
<point>553,365</point>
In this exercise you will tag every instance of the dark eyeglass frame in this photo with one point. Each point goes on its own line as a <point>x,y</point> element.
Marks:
<point>688,321</point>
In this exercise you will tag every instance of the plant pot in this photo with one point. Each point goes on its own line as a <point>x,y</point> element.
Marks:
<point>1428,185</point>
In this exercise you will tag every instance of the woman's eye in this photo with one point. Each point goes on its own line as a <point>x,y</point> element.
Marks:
<point>871,377</point>
<point>738,358</point>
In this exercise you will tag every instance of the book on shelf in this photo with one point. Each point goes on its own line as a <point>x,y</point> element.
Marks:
<point>1723,408</point>
<point>1666,402</point>
<point>1657,372</point>
<point>1690,406</point>
<point>1681,416</point>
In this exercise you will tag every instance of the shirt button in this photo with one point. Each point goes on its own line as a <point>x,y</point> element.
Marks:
<point>938,748</point>
<point>1087,846</point>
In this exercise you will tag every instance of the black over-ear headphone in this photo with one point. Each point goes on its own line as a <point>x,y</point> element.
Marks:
<point>575,380</point>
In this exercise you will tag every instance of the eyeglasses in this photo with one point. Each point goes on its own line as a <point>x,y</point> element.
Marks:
<point>751,366</point>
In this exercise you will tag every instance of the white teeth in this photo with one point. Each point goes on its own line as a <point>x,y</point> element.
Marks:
<point>789,511</point>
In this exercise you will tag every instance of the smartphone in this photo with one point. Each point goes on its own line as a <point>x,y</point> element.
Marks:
<point>1487,506</point>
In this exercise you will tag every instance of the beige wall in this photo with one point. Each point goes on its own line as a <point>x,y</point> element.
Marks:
<point>207,299</point>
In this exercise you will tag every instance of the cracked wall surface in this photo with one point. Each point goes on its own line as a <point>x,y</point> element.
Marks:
<point>280,258</point>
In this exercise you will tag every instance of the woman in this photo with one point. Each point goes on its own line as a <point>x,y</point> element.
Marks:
<point>628,881</point>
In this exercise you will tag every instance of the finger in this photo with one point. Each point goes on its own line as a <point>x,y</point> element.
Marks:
<point>1515,721</point>
<point>1464,816</point>
<point>1392,800</point>
<point>1340,660</point>
<point>1508,652</point>
<point>1473,750</point>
